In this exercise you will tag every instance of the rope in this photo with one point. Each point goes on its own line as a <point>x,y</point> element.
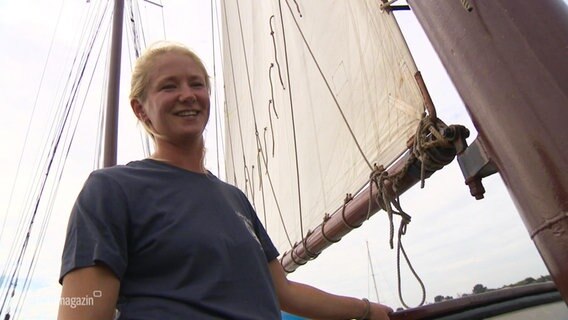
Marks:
<point>549,223</point>
<point>326,217</point>
<point>275,54</point>
<point>386,4</point>
<point>376,174</point>
<point>298,8</point>
<point>427,137</point>
<point>296,261</point>
<point>401,231</point>
<point>466,5</point>
<point>386,193</point>
<point>310,254</point>
<point>348,198</point>
<point>271,103</point>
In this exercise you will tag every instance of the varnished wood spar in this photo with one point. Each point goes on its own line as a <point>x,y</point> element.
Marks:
<point>425,95</point>
<point>111,121</point>
<point>356,212</point>
<point>508,62</point>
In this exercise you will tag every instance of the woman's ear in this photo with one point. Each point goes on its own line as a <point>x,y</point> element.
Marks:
<point>138,110</point>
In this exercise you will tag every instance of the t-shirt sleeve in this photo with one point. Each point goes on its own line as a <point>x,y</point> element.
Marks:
<point>270,250</point>
<point>97,228</point>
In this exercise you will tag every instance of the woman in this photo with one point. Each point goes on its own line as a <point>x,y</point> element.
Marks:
<point>162,238</point>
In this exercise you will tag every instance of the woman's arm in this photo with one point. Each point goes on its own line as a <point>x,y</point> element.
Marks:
<point>307,301</point>
<point>89,293</point>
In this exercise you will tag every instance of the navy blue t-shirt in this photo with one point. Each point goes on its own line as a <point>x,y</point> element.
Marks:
<point>183,245</point>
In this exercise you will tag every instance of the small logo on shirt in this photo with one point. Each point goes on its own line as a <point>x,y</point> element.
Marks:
<point>249,227</point>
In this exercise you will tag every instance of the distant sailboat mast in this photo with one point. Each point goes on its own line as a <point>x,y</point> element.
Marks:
<point>372,271</point>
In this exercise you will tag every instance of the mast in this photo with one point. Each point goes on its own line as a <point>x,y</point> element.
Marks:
<point>507,60</point>
<point>111,121</point>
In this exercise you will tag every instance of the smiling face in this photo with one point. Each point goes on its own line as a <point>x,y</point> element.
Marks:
<point>175,104</point>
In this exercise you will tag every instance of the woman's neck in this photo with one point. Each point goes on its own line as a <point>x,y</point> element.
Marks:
<point>190,158</point>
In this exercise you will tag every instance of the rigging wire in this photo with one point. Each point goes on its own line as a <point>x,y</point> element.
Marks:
<point>256,133</point>
<point>329,88</point>
<point>60,170</point>
<point>19,231</point>
<point>135,36</point>
<point>135,17</point>
<point>52,197</point>
<point>139,18</point>
<point>52,41</point>
<point>231,147</point>
<point>163,20</point>
<point>241,135</point>
<point>15,275</point>
<point>67,115</point>
<point>24,146</point>
<point>236,98</point>
<point>29,199</point>
<point>292,114</point>
<point>217,122</point>
<point>228,129</point>
<point>262,185</point>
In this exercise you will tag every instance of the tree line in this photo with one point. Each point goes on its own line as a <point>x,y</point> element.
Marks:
<point>480,288</point>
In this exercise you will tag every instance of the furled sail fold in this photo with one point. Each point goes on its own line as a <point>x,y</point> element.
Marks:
<point>317,92</point>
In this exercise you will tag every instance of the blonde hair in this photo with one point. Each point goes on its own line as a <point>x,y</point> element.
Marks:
<point>145,63</point>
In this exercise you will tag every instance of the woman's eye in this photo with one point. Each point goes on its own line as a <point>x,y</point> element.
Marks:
<point>197,84</point>
<point>168,86</point>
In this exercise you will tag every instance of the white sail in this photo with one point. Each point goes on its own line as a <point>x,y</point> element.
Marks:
<point>347,100</point>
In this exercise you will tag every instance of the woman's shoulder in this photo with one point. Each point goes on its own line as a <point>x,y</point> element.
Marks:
<point>123,174</point>
<point>126,181</point>
<point>228,187</point>
<point>110,172</point>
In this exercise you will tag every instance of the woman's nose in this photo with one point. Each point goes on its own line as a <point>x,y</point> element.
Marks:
<point>187,94</point>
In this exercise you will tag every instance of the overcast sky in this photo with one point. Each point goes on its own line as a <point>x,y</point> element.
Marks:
<point>454,241</point>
